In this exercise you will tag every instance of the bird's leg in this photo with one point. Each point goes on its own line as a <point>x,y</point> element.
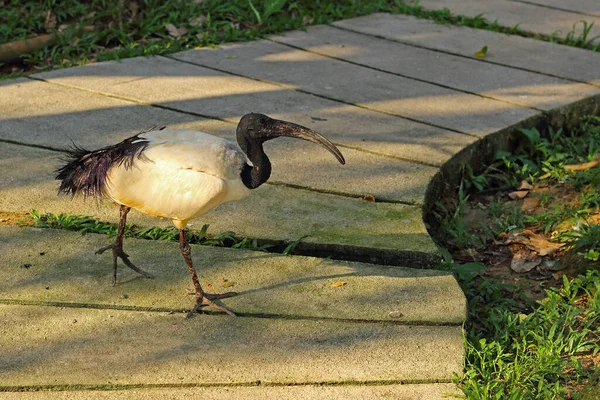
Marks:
<point>117,248</point>
<point>202,298</point>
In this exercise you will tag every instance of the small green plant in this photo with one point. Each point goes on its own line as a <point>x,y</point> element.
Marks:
<point>523,356</point>
<point>584,239</point>
<point>85,224</point>
<point>292,246</point>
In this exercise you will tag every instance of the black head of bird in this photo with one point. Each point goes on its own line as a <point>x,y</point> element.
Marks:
<point>255,129</point>
<point>179,175</point>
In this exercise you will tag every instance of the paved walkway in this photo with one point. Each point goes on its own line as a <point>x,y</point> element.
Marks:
<point>400,96</point>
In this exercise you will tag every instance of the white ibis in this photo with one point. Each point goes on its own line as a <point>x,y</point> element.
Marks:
<point>181,175</point>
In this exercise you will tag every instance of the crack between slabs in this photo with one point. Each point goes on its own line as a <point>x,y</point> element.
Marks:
<point>275,183</point>
<point>406,76</point>
<point>418,46</point>
<point>257,383</point>
<point>555,8</point>
<point>343,194</point>
<point>131,100</point>
<point>97,306</point>
<point>229,121</point>
<point>290,87</point>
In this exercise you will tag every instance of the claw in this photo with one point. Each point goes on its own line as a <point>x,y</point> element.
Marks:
<point>207,300</point>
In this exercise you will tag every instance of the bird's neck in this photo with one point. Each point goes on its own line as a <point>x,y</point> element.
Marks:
<point>256,175</point>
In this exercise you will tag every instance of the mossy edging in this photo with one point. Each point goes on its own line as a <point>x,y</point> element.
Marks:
<point>446,181</point>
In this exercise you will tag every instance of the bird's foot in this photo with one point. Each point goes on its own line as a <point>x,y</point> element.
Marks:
<point>118,252</point>
<point>207,300</point>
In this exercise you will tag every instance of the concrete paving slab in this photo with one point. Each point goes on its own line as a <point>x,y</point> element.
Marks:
<point>358,85</point>
<point>529,54</point>
<point>271,212</point>
<point>529,17</point>
<point>52,346</point>
<point>515,86</point>
<point>55,265</point>
<point>51,115</point>
<point>431,391</point>
<point>590,7</point>
<point>38,113</point>
<point>194,89</point>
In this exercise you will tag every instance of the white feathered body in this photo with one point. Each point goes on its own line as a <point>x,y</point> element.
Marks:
<point>181,175</point>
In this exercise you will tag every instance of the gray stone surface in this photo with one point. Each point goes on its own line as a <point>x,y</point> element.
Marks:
<point>50,345</point>
<point>432,391</point>
<point>39,113</point>
<point>195,89</point>
<point>315,332</point>
<point>270,212</point>
<point>590,7</point>
<point>61,266</point>
<point>515,86</point>
<point>530,54</point>
<point>347,82</point>
<point>529,17</point>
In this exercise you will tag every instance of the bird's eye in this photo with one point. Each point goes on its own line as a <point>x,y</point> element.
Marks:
<point>262,121</point>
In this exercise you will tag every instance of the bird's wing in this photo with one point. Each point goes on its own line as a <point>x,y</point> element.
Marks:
<point>180,175</point>
<point>196,151</point>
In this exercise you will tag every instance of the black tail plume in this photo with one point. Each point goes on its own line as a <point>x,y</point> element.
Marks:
<point>84,172</point>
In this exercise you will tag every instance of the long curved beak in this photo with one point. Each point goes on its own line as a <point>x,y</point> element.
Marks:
<point>289,129</point>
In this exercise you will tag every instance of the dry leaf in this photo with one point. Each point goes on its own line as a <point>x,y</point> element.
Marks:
<point>518,194</point>
<point>200,20</point>
<point>172,30</point>
<point>395,314</point>
<point>133,9</point>
<point>50,20</point>
<point>228,284</point>
<point>369,198</point>
<point>481,53</point>
<point>176,32</point>
<point>534,242</point>
<point>523,262</point>
<point>525,186</point>
<point>338,284</point>
<point>582,167</point>
<point>307,20</point>
<point>182,31</point>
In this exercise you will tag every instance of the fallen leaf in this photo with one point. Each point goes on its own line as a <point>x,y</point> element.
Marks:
<point>200,20</point>
<point>395,314</point>
<point>176,32</point>
<point>369,198</point>
<point>307,20</point>
<point>338,284</point>
<point>518,194</point>
<point>525,186</point>
<point>533,241</point>
<point>523,262</point>
<point>172,30</point>
<point>50,20</point>
<point>481,53</point>
<point>228,284</point>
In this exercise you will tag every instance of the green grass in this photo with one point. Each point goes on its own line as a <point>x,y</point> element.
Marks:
<point>540,158</point>
<point>85,224</point>
<point>517,348</point>
<point>512,355</point>
<point>98,30</point>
